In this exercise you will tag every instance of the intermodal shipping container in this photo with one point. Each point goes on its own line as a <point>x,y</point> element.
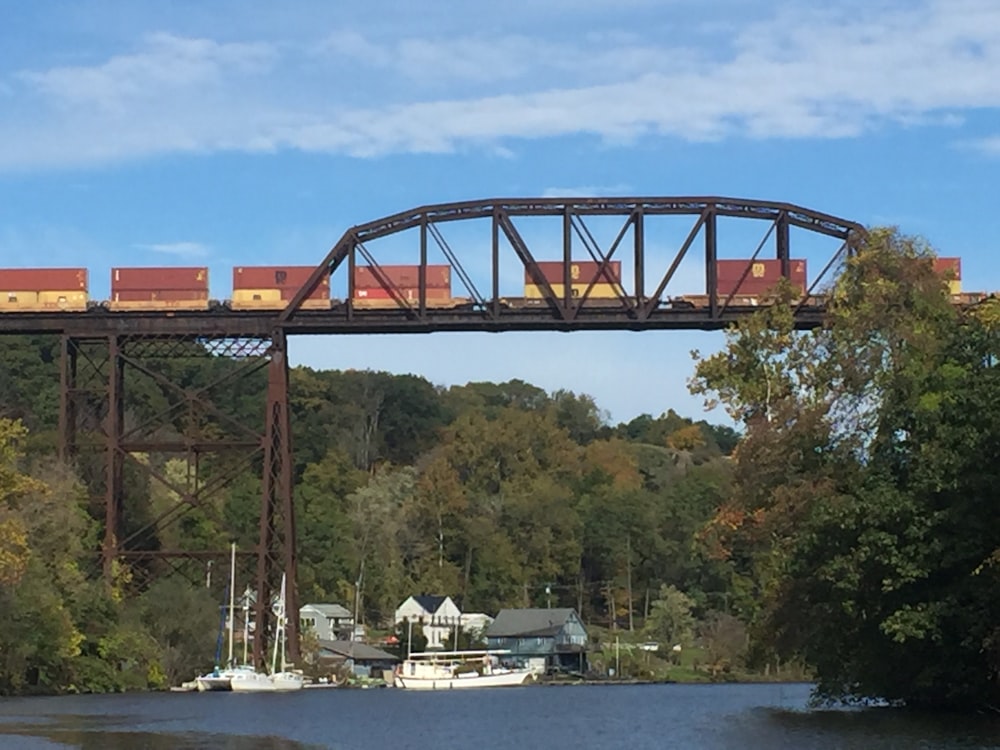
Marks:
<point>756,277</point>
<point>599,291</point>
<point>159,279</point>
<point>403,277</point>
<point>43,279</point>
<point>277,277</point>
<point>579,272</point>
<point>164,295</point>
<point>411,295</point>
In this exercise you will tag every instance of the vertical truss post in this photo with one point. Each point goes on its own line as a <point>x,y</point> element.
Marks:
<point>640,266</point>
<point>782,242</point>
<point>114,490</point>
<point>711,258</point>
<point>567,276</point>
<point>67,404</point>
<point>422,268</point>
<point>276,502</point>
<point>495,226</point>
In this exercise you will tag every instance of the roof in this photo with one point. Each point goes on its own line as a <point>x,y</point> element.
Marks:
<point>330,610</point>
<point>430,602</point>
<point>528,622</point>
<point>356,650</point>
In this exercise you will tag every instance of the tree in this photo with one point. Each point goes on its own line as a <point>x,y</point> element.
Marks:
<point>860,505</point>
<point>670,619</point>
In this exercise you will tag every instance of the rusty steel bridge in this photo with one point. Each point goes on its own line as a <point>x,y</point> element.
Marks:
<point>102,352</point>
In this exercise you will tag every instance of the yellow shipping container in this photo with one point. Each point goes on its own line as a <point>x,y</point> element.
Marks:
<point>600,291</point>
<point>270,299</point>
<point>24,301</point>
<point>75,301</point>
<point>256,299</point>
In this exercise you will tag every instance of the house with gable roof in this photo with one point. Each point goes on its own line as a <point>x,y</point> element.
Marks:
<point>438,615</point>
<point>329,622</point>
<point>546,639</point>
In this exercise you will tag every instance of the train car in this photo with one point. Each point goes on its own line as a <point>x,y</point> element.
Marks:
<point>950,269</point>
<point>606,285</point>
<point>43,290</point>
<point>755,278</point>
<point>273,287</point>
<point>382,287</point>
<point>159,289</point>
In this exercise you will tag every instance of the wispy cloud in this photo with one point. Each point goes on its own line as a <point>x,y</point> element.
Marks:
<point>178,249</point>
<point>835,72</point>
<point>989,146</point>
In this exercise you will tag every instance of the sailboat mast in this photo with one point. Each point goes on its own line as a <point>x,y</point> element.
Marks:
<point>246,623</point>
<point>280,631</point>
<point>232,603</point>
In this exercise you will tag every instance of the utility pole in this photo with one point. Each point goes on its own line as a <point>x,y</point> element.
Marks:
<point>628,579</point>
<point>548,595</point>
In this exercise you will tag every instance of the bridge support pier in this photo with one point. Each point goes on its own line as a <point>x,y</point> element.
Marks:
<point>171,452</point>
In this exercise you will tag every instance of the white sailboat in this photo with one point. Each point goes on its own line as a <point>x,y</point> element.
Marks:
<point>283,680</point>
<point>218,678</point>
<point>222,678</point>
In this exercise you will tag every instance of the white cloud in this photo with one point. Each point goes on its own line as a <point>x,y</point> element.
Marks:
<point>799,73</point>
<point>989,146</point>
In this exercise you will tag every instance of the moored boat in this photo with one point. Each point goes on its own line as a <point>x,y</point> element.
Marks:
<point>450,670</point>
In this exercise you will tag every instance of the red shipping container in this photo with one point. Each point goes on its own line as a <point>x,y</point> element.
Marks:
<point>580,272</point>
<point>410,295</point>
<point>288,279</point>
<point>951,266</point>
<point>755,278</point>
<point>162,295</point>
<point>274,277</point>
<point>43,279</point>
<point>438,277</point>
<point>159,278</point>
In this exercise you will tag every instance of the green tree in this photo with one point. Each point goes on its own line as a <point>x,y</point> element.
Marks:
<point>860,506</point>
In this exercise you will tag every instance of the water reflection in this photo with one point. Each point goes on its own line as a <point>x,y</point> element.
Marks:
<point>889,727</point>
<point>98,738</point>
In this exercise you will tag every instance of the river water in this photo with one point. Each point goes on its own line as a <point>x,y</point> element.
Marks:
<point>709,717</point>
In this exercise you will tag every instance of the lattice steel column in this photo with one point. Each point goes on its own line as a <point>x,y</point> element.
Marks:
<point>115,466</point>
<point>276,551</point>
<point>67,403</point>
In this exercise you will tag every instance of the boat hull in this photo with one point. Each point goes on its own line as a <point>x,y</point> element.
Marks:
<point>287,681</point>
<point>213,683</point>
<point>252,683</point>
<point>503,679</point>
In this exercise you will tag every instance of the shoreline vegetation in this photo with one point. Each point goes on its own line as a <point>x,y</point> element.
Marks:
<point>846,534</point>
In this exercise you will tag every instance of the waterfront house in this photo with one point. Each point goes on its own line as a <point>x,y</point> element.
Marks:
<point>438,615</point>
<point>328,622</point>
<point>361,659</point>
<point>550,640</point>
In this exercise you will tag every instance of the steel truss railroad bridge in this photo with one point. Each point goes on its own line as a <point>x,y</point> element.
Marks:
<point>103,353</point>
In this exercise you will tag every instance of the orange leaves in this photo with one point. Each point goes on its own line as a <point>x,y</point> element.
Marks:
<point>617,460</point>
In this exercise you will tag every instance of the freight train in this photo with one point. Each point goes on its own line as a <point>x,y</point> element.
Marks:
<point>739,283</point>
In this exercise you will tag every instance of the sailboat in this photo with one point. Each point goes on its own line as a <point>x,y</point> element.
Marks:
<point>283,680</point>
<point>221,678</point>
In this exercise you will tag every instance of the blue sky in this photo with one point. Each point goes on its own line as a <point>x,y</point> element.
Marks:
<point>224,133</point>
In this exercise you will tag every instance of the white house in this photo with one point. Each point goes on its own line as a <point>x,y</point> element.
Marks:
<point>438,615</point>
<point>329,622</point>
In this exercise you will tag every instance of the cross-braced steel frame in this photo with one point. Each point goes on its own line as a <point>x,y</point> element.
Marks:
<point>121,451</point>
